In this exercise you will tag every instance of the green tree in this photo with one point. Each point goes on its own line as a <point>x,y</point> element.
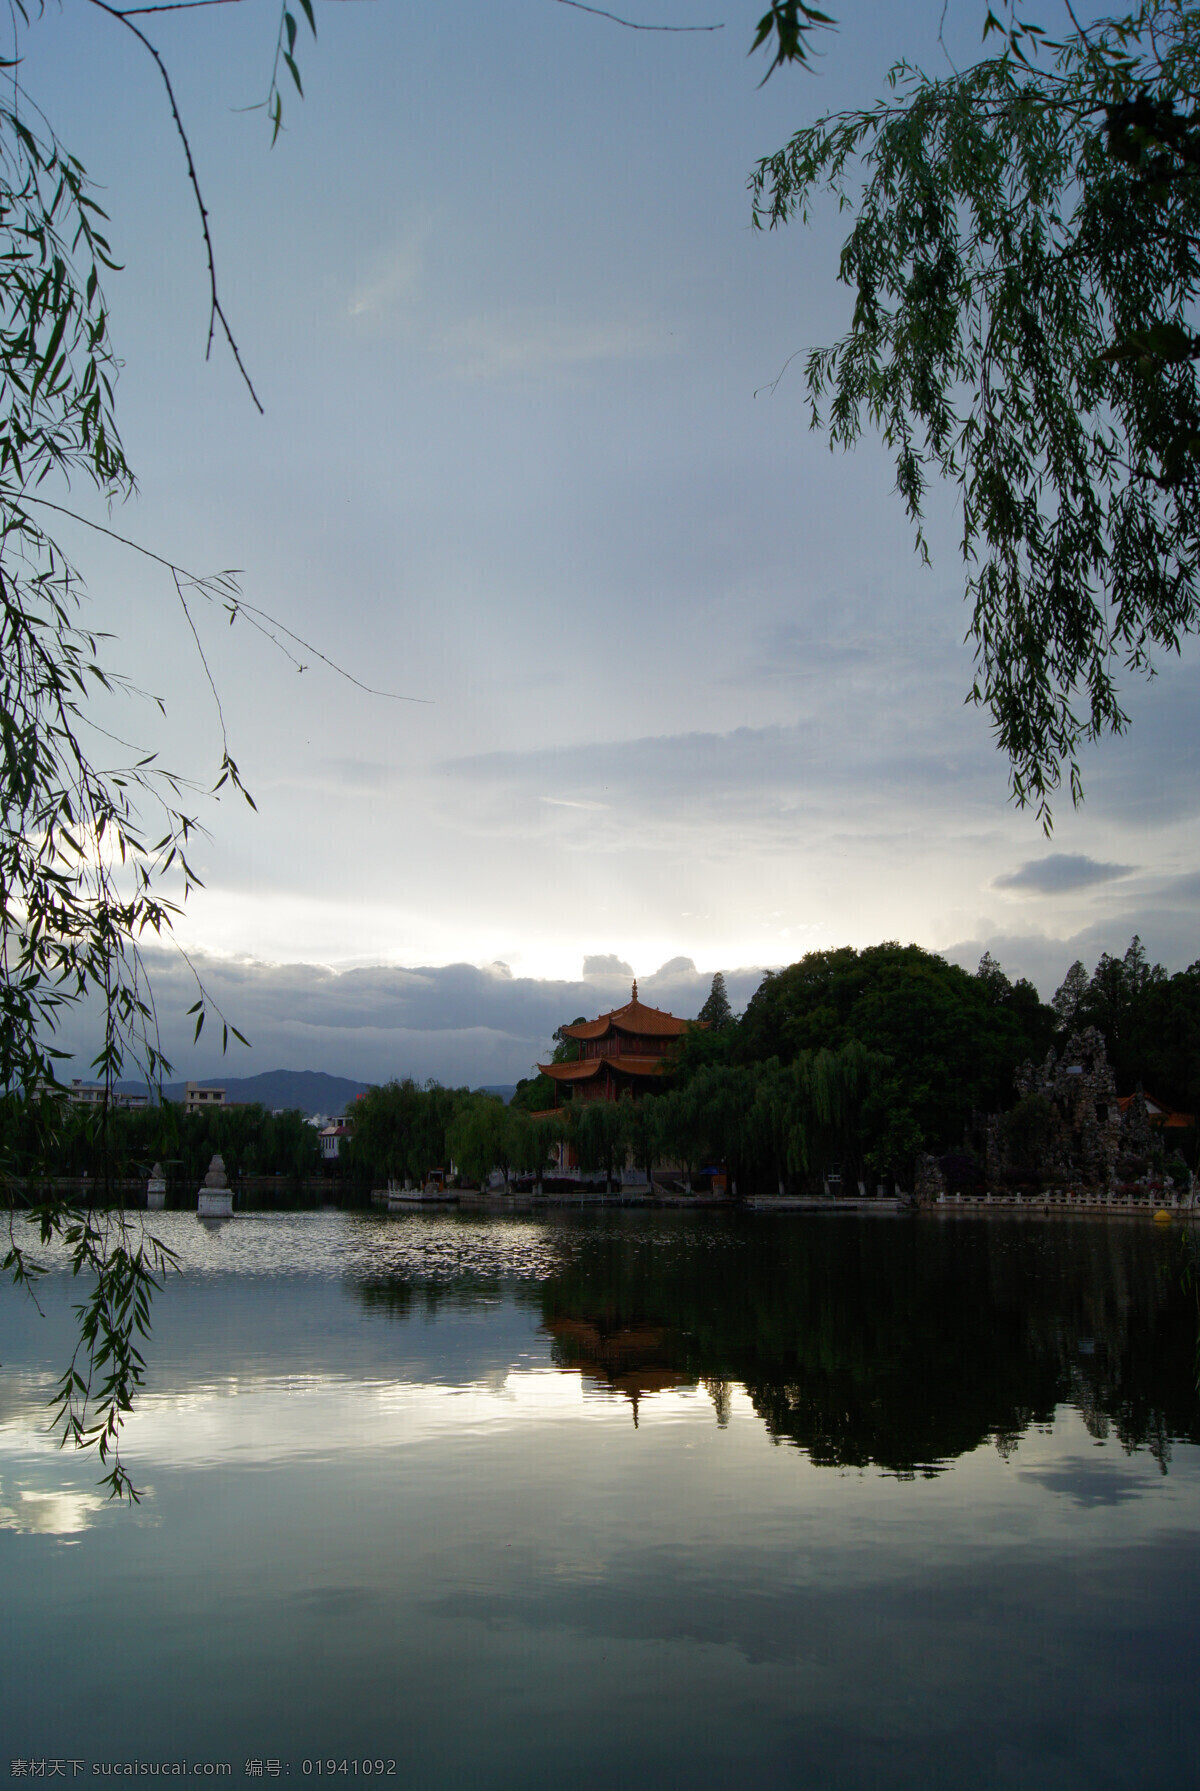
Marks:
<point>1024,261</point>
<point>1114,992</point>
<point>600,1133</point>
<point>687,1134</point>
<point>716,1012</point>
<point>774,1121</point>
<point>400,1130</point>
<point>1070,995</point>
<point>848,1115</point>
<point>481,1136</point>
<point>643,1132</point>
<point>952,1039</point>
<point>1150,1022</point>
<point>540,1135</point>
<point>534,1094</point>
<point>1160,1045</point>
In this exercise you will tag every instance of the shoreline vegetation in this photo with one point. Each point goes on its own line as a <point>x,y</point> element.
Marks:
<point>852,1075</point>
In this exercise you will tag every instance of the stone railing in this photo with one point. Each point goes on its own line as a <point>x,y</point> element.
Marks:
<point>1079,1200</point>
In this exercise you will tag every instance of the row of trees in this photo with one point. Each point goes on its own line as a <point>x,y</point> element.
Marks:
<point>1151,1022</point>
<point>930,1044</point>
<point>766,1122</point>
<point>403,1131</point>
<point>945,1043</point>
<point>43,1137</point>
<point>847,1060</point>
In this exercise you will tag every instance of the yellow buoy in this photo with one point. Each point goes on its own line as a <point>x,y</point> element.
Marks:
<point>1162,1216</point>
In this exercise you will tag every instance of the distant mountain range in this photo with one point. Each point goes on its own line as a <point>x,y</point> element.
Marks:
<point>312,1091</point>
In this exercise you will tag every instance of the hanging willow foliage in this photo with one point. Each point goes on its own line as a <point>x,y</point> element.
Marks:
<point>81,876</point>
<point>1024,260</point>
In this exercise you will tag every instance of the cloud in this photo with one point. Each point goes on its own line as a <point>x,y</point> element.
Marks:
<point>396,279</point>
<point>1182,888</point>
<point>771,780</point>
<point>523,343</point>
<point>1060,872</point>
<point>365,775</point>
<point>460,1023</point>
<point>607,965</point>
<point>848,643</point>
<point>673,971</point>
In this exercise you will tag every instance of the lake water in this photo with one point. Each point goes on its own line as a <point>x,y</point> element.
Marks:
<point>622,1500</point>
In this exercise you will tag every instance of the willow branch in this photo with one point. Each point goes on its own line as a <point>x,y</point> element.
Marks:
<point>216,312</point>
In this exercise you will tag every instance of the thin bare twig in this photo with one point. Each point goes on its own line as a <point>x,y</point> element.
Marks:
<point>134,12</point>
<point>773,383</point>
<point>941,35</point>
<point>230,595</point>
<point>216,695</point>
<point>632,24</point>
<point>216,313</point>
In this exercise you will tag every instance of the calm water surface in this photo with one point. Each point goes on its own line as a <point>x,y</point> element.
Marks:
<point>622,1501</point>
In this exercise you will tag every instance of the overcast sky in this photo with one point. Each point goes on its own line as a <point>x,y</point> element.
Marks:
<point>687,694</point>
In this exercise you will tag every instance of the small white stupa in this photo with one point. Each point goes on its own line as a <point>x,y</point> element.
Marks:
<point>156,1189</point>
<point>216,1200</point>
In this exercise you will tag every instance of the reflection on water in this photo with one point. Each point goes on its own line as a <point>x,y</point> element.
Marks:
<point>899,1344</point>
<point>625,1498</point>
<point>49,1513</point>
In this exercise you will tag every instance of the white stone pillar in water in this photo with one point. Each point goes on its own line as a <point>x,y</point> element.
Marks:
<point>156,1189</point>
<point>215,1199</point>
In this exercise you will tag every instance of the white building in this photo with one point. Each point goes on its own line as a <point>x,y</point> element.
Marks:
<point>331,1138</point>
<point>91,1094</point>
<point>199,1100</point>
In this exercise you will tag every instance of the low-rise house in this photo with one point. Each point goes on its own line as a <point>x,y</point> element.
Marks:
<point>199,1100</point>
<point>1157,1112</point>
<point>331,1138</point>
<point>92,1094</point>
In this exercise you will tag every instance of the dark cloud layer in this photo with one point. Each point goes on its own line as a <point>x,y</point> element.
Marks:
<point>1059,872</point>
<point>1169,931</point>
<point>466,1023</point>
<point>456,1022</point>
<point>725,792</point>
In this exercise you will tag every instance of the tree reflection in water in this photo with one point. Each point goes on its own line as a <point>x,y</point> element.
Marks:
<point>896,1343</point>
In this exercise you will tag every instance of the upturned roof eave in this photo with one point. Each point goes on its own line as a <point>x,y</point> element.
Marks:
<point>585,1068</point>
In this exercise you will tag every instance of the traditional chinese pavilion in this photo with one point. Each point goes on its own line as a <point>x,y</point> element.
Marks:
<point>623,1052</point>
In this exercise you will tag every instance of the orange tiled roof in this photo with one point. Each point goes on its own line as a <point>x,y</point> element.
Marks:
<point>634,1017</point>
<point>588,1067</point>
<point>1158,1113</point>
<point>574,1072</point>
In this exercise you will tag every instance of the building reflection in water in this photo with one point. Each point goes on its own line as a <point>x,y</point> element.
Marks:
<point>902,1345</point>
<point>632,1361</point>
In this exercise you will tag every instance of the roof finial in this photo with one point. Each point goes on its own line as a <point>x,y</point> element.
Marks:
<point>635,988</point>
